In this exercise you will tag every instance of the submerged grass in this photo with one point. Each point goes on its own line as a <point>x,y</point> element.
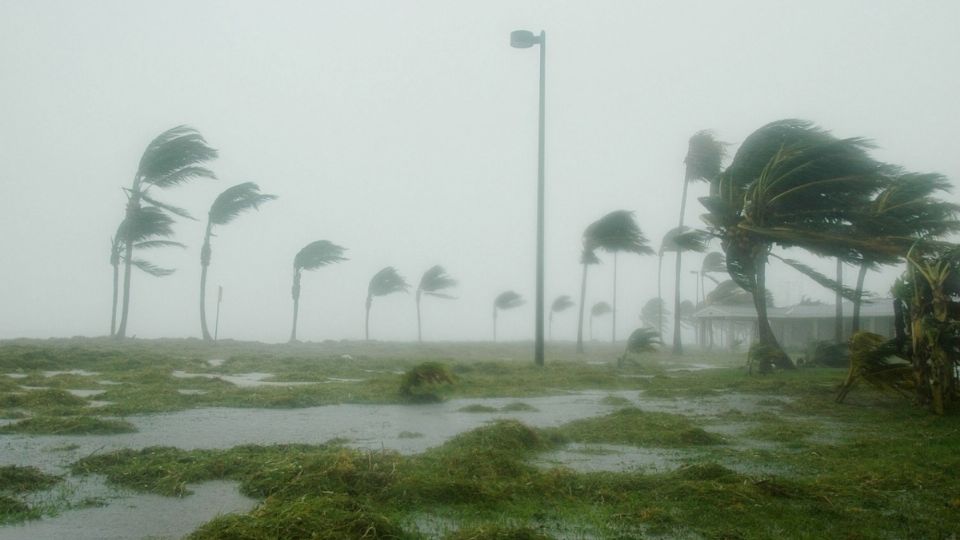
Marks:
<point>15,482</point>
<point>69,425</point>
<point>633,426</point>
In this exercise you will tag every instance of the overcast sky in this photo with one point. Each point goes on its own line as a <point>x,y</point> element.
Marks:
<point>407,132</point>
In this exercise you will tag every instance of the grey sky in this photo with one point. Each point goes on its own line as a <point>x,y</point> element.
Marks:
<point>406,131</point>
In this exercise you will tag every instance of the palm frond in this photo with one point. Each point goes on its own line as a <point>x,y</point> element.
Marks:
<point>589,256</point>
<point>600,308</point>
<point>561,303</point>
<point>153,244</point>
<point>236,200</point>
<point>728,293</point>
<point>684,239</point>
<point>387,281</point>
<point>145,223</point>
<point>168,207</point>
<point>821,279</point>
<point>151,268</point>
<point>436,279</point>
<point>616,231</point>
<point>652,311</point>
<point>508,300</point>
<point>440,295</point>
<point>705,155</point>
<point>317,254</point>
<point>174,156</point>
<point>714,262</point>
<point>643,340</point>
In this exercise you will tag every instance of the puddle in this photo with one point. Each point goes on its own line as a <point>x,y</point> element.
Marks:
<point>86,393</point>
<point>339,379</point>
<point>132,515</point>
<point>77,372</point>
<point>692,367</point>
<point>109,383</point>
<point>242,380</point>
<point>215,362</point>
<point>16,375</point>
<point>189,392</point>
<point>613,458</point>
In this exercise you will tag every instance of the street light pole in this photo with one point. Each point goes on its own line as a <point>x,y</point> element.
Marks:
<point>523,39</point>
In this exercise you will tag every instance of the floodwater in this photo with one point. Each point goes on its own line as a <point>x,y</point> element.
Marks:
<point>405,428</point>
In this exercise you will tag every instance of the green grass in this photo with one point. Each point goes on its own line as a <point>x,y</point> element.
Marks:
<point>873,467</point>
<point>69,425</point>
<point>15,482</point>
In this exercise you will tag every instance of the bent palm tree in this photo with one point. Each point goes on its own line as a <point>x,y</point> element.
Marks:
<point>434,280</point>
<point>614,233</point>
<point>172,158</point>
<point>505,300</point>
<point>148,227</point>
<point>560,304</point>
<point>598,310</point>
<point>384,282</point>
<point>652,312</point>
<point>587,257</point>
<point>225,208</point>
<point>678,240</point>
<point>312,256</point>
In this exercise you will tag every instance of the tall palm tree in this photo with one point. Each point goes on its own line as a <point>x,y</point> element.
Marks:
<point>614,233</point>
<point>312,256</point>
<point>505,300</point>
<point>386,281</point>
<point>148,227</point>
<point>432,282</point>
<point>703,162</point>
<point>172,158</point>
<point>587,257</point>
<point>794,185</point>
<point>560,304</point>
<point>598,310</point>
<point>225,208</point>
<point>906,206</point>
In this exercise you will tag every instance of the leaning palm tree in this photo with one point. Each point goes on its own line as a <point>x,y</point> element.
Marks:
<point>587,257</point>
<point>433,281</point>
<point>384,282</point>
<point>225,208</point>
<point>614,233</point>
<point>312,256</point>
<point>172,158</point>
<point>651,315</point>
<point>505,300</point>
<point>598,310</point>
<point>560,304</point>
<point>678,240</point>
<point>148,227</point>
<point>792,184</point>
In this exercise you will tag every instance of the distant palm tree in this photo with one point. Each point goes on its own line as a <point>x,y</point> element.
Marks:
<point>598,310</point>
<point>505,300</point>
<point>652,313</point>
<point>172,158</point>
<point>616,232</point>
<point>560,304</point>
<point>704,162</point>
<point>312,256</point>
<point>713,263</point>
<point>434,280</point>
<point>225,208</point>
<point>587,257</point>
<point>677,240</point>
<point>147,227</point>
<point>384,282</point>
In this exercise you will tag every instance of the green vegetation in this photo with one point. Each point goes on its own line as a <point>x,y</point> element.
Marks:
<point>638,428</point>
<point>16,481</point>
<point>69,425</point>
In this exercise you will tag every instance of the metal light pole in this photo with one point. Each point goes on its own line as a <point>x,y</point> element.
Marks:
<point>523,39</point>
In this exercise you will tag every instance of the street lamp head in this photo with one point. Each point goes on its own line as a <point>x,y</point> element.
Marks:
<point>523,39</point>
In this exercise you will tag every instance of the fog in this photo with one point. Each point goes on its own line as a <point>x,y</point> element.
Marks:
<point>407,132</point>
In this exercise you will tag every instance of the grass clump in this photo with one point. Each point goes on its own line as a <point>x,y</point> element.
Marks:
<point>616,401</point>
<point>477,408</point>
<point>518,406</point>
<point>69,425</point>
<point>40,400</point>
<point>635,427</point>
<point>421,383</point>
<point>409,435</point>
<point>17,479</point>
<point>496,532</point>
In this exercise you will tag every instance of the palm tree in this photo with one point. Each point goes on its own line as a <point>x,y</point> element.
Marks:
<point>793,185</point>
<point>560,304</point>
<point>312,256</point>
<point>225,208</point>
<point>386,281</point>
<point>587,257</point>
<point>434,280</point>
<point>713,263</point>
<point>703,163</point>
<point>148,227</point>
<point>678,239</point>
<point>651,314</point>
<point>598,310</point>
<point>172,158</point>
<point>505,300</point>
<point>614,233</point>
<point>906,206</point>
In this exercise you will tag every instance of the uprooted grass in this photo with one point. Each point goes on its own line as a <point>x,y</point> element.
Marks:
<point>635,427</point>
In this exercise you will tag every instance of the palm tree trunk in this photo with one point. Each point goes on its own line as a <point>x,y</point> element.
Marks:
<point>550,326</point>
<point>295,292</point>
<point>494,324</point>
<point>133,205</point>
<point>591,327</point>
<point>419,334</point>
<point>858,298</point>
<point>204,264</point>
<point>765,332</point>
<point>583,299</point>
<point>677,345</point>
<point>659,295</point>
<point>838,323</point>
<point>116,293</point>
<point>613,325</point>
<point>366,323</point>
